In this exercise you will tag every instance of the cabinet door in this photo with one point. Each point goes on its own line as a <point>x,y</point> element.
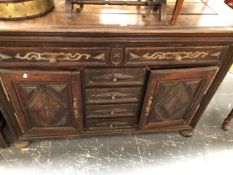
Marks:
<point>173,96</point>
<point>45,102</point>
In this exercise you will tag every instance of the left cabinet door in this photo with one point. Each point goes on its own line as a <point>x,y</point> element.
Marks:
<point>46,103</point>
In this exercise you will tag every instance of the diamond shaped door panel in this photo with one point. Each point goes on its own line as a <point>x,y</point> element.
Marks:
<point>47,104</point>
<point>45,101</point>
<point>174,95</point>
<point>177,96</point>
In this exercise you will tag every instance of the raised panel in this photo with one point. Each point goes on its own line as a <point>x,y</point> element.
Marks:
<point>172,99</point>
<point>173,96</point>
<point>45,102</point>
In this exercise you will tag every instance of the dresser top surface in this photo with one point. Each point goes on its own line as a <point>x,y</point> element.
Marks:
<point>196,17</point>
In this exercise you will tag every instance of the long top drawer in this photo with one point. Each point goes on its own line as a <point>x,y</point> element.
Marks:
<point>111,77</point>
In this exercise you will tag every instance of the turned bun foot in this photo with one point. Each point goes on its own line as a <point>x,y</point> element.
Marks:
<point>227,121</point>
<point>186,133</point>
<point>22,144</point>
<point>225,126</point>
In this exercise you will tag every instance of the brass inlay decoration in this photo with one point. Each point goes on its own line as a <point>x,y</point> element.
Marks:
<point>4,89</point>
<point>75,108</point>
<point>54,57</point>
<point>24,9</point>
<point>5,57</point>
<point>148,107</point>
<point>170,55</point>
<point>48,56</point>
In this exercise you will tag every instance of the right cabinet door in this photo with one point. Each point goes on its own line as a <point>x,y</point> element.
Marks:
<point>173,96</point>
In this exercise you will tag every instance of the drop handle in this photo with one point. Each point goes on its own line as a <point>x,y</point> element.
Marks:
<point>113,97</point>
<point>110,126</point>
<point>112,113</point>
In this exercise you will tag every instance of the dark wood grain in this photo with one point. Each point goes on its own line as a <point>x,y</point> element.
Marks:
<point>173,96</point>
<point>113,95</point>
<point>92,75</point>
<point>45,100</point>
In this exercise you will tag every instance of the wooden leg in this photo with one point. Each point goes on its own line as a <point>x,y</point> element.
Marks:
<point>176,11</point>
<point>227,121</point>
<point>22,144</point>
<point>187,133</point>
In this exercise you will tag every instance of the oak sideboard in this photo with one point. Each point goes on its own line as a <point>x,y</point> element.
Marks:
<point>93,74</point>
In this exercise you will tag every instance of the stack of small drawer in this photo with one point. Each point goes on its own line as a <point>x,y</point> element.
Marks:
<point>112,97</point>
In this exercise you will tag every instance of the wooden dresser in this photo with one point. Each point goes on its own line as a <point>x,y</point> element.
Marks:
<point>108,71</point>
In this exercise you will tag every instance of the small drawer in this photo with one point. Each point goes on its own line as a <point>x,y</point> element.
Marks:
<point>165,55</point>
<point>111,77</point>
<point>54,55</point>
<point>111,124</point>
<point>111,111</point>
<point>112,95</point>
